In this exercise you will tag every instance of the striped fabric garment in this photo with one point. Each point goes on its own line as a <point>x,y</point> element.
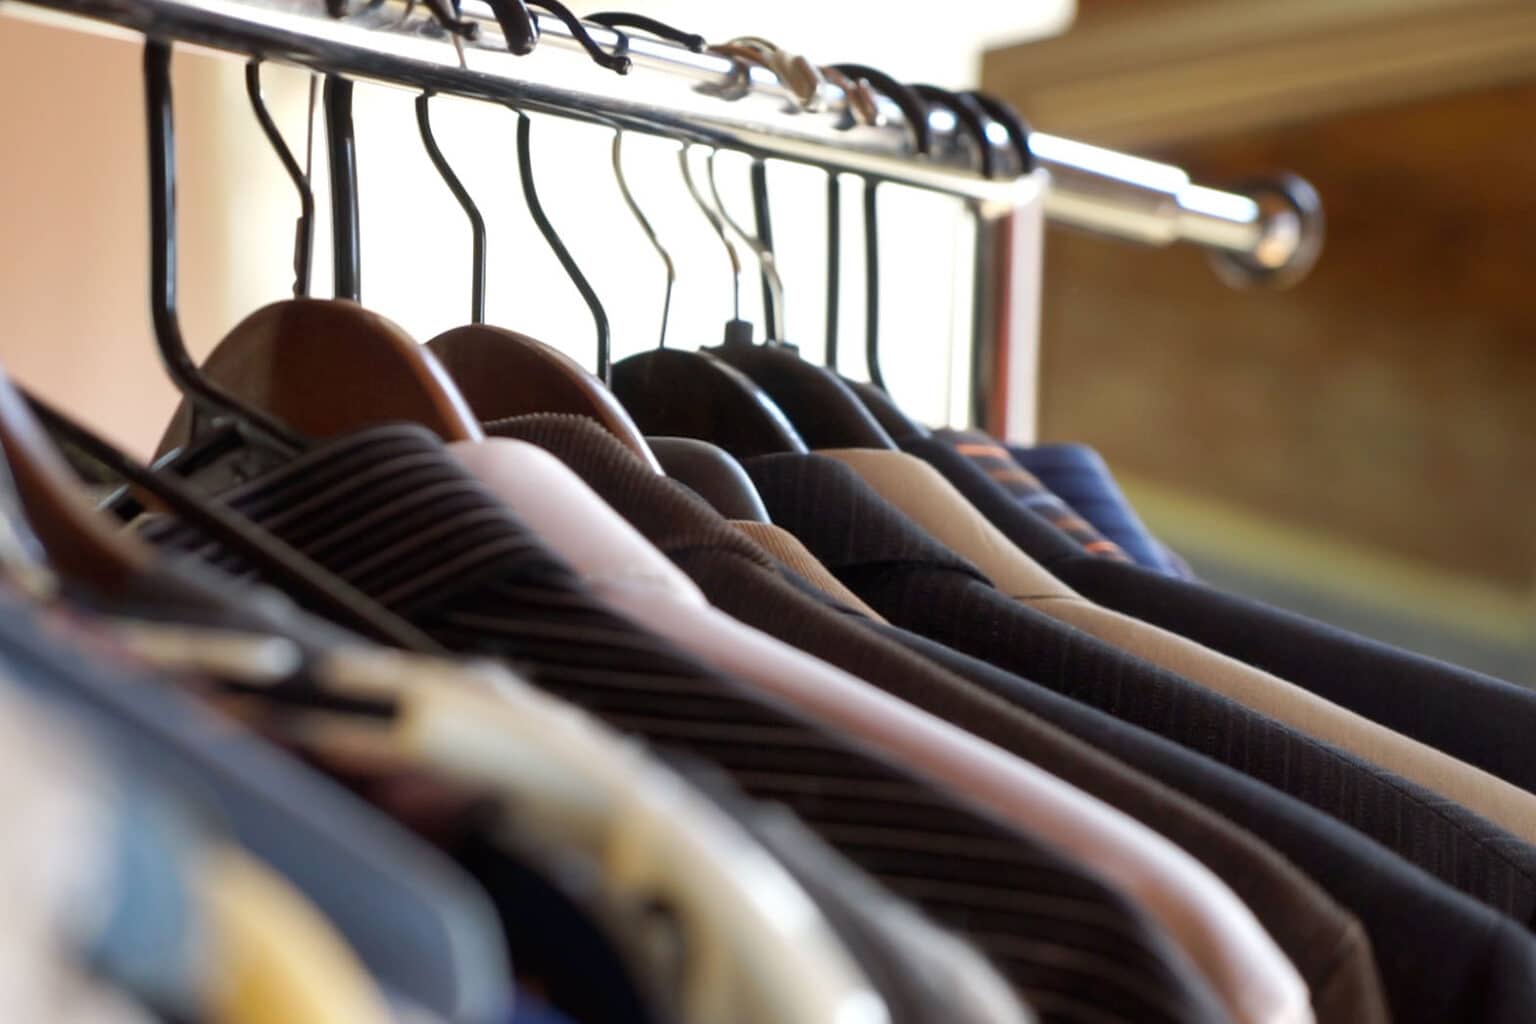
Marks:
<point>389,511</point>
<point>1080,477</point>
<point>1031,493</point>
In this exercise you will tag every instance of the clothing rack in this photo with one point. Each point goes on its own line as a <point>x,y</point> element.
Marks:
<point>711,99</point>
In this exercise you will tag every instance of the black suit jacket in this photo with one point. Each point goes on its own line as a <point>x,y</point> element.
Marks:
<point>1483,721</point>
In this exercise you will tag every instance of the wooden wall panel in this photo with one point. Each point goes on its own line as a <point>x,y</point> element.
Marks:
<point>1391,399</point>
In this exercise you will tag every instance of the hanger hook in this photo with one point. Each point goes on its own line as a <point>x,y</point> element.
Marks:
<point>916,112</point>
<point>466,203</point>
<point>865,108</point>
<point>446,13</point>
<point>969,116</point>
<point>872,283</point>
<point>206,397</point>
<point>341,143</point>
<point>774,286</point>
<point>715,222</point>
<point>907,101</point>
<point>536,210</point>
<point>617,61</point>
<point>519,28</point>
<point>645,226</point>
<point>1018,129</point>
<point>834,265</point>
<point>627,19</point>
<point>304,229</point>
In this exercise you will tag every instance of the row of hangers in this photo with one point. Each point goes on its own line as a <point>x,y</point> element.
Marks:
<point>288,374</point>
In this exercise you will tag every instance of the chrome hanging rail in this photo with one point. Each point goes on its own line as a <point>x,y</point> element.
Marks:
<point>713,99</point>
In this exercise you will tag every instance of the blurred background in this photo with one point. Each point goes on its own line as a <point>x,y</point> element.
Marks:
<point>1361,448</point>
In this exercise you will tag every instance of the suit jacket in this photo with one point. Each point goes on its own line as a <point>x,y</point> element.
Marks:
<point>1325,943</point>
<point>938,507</point>
<point>1483,721</point>
<point>919,585</point>
<point>388,510</point>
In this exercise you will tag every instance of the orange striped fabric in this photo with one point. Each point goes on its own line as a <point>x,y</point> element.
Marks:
<point>999,464</point>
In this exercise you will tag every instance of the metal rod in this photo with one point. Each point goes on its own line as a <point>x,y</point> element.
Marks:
<point>710,99</point>
<point>466,203</point>
<point>872,284</point>
<point>773,290</point>
<point>567,261</point>
<point>342,144</point>
<point>207,398</point>
<point>834,266</point>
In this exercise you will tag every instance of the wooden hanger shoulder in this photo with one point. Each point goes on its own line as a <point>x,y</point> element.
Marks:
<point>502,373</point>
<point>328,366</point>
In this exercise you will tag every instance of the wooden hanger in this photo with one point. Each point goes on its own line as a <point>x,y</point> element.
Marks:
<point>502,373</point>
<point>322,367</point>
<point>329,366</point>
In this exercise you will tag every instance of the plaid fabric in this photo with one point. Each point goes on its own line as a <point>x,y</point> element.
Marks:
<point>1000,465</point>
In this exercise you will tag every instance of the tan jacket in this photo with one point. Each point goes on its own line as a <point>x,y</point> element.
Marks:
<point>786,547</point>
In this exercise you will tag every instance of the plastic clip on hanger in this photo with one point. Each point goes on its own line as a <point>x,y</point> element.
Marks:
<point>500,372</point>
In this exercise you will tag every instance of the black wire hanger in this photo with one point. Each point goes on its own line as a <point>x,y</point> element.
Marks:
<point>208,399</point>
